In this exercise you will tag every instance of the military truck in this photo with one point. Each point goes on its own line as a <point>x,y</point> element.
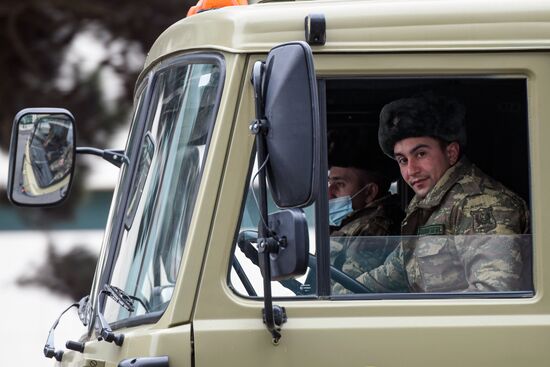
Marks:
<point>217,247</point>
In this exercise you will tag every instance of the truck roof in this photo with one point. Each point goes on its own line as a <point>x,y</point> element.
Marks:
<point>365,26</point>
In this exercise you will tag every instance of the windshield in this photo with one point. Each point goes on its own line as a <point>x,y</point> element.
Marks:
<point>164,187</point>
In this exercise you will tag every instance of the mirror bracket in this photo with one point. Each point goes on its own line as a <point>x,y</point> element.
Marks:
<point>271,244</point>
<point>279,318</point>
<point>259,126</point>
<point>113,156</point>
<point>273,315</point>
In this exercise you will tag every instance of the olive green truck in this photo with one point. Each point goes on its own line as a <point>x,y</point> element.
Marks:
<point>217,248</point>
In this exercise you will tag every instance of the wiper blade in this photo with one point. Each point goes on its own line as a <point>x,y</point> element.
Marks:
<point>122,298</point>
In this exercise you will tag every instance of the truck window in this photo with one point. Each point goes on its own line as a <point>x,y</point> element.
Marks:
<point>245,276</point>
<point>162,195</point>
<point>384,240</point>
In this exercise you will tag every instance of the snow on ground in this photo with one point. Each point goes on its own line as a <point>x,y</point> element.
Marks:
<point>27,313</point>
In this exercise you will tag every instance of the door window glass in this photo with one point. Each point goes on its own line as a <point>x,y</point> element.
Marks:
<point>439,203</point>
<point>426,197</point>
<point>245,276</point>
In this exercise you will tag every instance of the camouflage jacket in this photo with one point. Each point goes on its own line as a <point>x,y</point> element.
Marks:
<point>351,253</point>
<point>467,237</point>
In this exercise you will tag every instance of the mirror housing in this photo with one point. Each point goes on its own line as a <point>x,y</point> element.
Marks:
<point>291,105</point>
<point>291,259</point>
<point>41,158</point>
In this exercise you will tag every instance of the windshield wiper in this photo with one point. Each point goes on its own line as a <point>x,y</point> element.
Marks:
<point>49,347</point>
<point>124,300</point>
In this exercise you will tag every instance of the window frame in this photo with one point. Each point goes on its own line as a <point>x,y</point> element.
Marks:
<point>446,77</point>
<point>321,205</point>
<point>141,123</point>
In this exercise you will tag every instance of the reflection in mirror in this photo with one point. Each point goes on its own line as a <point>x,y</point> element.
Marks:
<point>41,157</point>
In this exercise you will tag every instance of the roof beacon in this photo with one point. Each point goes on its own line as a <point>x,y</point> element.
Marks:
<point>204,5</point>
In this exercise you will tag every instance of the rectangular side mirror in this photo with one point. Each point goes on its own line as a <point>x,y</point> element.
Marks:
<point>292,111</point>
<point>290,227</point>
<point>42,154</point>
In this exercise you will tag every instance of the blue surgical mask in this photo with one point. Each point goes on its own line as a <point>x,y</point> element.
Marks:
<point>338,209</point>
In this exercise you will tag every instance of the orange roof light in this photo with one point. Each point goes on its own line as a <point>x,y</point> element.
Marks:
<point>204,5</point>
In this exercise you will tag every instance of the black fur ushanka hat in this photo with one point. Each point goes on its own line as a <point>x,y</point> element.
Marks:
<point>358,148</point>
<point>430,115</point>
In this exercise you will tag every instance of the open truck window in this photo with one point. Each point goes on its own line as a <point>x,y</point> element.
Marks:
<point>476,262</point>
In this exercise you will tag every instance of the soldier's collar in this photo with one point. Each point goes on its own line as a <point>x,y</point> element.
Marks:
<point>436,194</point>
<point>377,202</point>
<point>360,212</point>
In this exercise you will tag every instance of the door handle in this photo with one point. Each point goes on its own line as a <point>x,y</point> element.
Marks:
<point>145,362</point>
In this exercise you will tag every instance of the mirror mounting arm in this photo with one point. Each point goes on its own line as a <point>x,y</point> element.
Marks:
<point>273,317</point>
<point>116,157</point>
<point>265,247</point>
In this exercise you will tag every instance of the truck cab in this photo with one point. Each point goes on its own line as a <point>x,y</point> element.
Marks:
<point>217,250</point>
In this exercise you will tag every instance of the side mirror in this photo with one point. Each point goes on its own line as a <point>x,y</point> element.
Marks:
<point>291,258</point>
<point>42,153</point>
<point>291,105</point>
<point>288,147</point>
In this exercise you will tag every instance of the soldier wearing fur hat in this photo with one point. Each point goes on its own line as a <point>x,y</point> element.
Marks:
<point>467,226</point>
<point>359,201</point>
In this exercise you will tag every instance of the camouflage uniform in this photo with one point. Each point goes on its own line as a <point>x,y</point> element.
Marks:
<point>445,255</point>
<point>350,252</point>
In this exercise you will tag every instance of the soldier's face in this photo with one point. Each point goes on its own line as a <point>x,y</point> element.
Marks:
<point>344,181</point>
<point>423,161</point>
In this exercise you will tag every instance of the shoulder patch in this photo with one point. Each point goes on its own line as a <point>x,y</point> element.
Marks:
<point>483,220</point>
<point>431,230</point>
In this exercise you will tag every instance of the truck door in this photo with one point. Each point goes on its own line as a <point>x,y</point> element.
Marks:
<point>330,319</point>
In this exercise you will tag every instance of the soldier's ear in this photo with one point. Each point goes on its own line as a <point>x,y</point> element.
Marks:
<point>372,192</point>
<point>453,152</point>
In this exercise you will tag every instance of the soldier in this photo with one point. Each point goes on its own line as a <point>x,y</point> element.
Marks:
<point>360,203</point>
<point>466,225</point>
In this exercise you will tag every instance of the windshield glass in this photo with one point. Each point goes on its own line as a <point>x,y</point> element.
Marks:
<point>164,188</point>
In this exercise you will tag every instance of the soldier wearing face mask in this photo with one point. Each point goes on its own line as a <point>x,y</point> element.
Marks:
<point>360,203</point>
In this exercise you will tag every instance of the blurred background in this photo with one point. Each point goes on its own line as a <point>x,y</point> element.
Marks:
<point>83,56</point>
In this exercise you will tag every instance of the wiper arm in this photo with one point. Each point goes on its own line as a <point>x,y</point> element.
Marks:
<point>49,348</point>
<point>124,300</point>
<point>107,333</point>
